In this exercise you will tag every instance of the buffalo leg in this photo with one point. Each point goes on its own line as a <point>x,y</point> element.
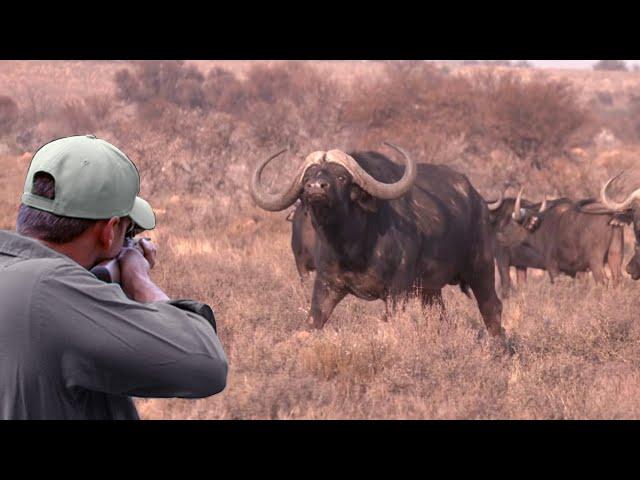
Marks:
<point>597,270</point>
<point>482,285</point>
<point>615,255</point>
<point>553,270</point>
<point>392,302</point>
<point>390,306</point>
<point>323,302</point>
<point>521,274</point>
<point>430,299</point>
<point>503,271</point>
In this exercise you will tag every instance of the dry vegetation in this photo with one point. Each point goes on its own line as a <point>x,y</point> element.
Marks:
<point>196,129</point>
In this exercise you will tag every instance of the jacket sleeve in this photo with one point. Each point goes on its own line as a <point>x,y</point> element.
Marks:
<point>110,343</point>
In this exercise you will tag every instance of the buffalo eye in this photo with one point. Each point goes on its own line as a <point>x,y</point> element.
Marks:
<point>341,178</point>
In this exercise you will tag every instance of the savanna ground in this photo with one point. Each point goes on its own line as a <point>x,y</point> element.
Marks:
<point>197,129</point>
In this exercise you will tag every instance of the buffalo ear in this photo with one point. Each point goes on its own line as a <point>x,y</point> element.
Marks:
<point>362,198</point>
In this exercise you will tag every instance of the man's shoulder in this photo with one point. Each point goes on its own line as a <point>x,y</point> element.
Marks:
<point>62,268</point>
<point>37,272</point>
<point>43,266</point>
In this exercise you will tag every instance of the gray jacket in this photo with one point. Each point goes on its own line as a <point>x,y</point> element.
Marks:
<point>73,347</point>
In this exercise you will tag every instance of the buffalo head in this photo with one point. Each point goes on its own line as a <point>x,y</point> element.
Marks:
<point>627,211</point>
<point>524,219</point>
<point>332,183</point>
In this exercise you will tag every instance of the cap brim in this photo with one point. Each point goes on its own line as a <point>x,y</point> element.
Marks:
<point>142,214</point>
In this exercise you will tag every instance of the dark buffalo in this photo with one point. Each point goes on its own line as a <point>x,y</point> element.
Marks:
<point>627,211</point>
<point>509,251</point>
<point>382,234</point>
<point>566,237</point>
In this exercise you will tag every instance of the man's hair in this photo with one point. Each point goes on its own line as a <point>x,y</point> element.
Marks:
<point>48,226</point>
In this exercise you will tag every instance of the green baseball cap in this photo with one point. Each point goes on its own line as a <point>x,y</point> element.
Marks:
<point>93,180</point>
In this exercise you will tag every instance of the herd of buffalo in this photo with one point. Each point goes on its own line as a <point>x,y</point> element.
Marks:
<point>372,229</point>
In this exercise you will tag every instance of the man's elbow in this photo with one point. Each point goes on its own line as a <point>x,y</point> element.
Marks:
<point>219,377</point>
<point>211,378</point>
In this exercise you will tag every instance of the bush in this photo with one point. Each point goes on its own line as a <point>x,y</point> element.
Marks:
<point>99,106</point>
<point>291,104</point>
<point>9,114</point>
<point>535,120</point>
<point>605,97</point>
<point>410,100</point>
<point>162,115</point>
<point>283,103</point>
<point>172,81</point>
<point>635,116</point>
<point>223,91</point>
<point>523,64</point>
<point>611,65</point>
<point>218,120</point>
<point>127,86</point>
<point>75,118</point>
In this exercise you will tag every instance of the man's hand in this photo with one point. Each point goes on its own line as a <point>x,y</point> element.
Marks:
<point>135,263</point>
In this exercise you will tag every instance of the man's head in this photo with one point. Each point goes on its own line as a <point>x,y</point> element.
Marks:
<point>80,198</point>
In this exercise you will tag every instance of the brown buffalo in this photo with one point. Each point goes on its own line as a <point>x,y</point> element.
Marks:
<point>568,237</point>
<point>626,212</point>
<point>509,251</point>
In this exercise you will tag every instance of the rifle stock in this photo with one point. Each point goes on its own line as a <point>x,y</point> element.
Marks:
<point>109,270</point>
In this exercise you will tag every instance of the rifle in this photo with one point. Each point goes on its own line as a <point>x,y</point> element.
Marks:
<point>109,270</point>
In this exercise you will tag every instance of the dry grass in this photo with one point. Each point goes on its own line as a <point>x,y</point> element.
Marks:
<point>577,344</point>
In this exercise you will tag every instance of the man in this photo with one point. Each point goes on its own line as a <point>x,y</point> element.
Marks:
<point>72,346</point>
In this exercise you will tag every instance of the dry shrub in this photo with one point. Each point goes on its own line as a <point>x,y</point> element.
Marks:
<point>605,97</point>
<point>223,91</point>
<point>212,136</point>
<point>172,81</point>
<point>127,86</point>
<point>410,99</point>
<point>75,117</point>
<point>37,105</point>
<point>291,104</point>
<point>634,109</point>
<point>160,114</point>
<point>620,116</point>
<point>9,114</point>
<point>533,119</point>
<point>619,65</point>
<point>99,106</point>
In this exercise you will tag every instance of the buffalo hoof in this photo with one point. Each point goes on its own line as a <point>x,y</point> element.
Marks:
<point>313,324</point>
<point>505,344</point>
<point>509,346</point>
<point>499,338</point>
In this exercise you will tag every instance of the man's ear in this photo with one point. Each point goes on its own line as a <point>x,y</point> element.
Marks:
<point>109,232</point>
<point>362,198</point>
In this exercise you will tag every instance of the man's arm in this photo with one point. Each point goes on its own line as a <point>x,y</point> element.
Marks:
<point>110,343</point>
<point>135,263</point>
